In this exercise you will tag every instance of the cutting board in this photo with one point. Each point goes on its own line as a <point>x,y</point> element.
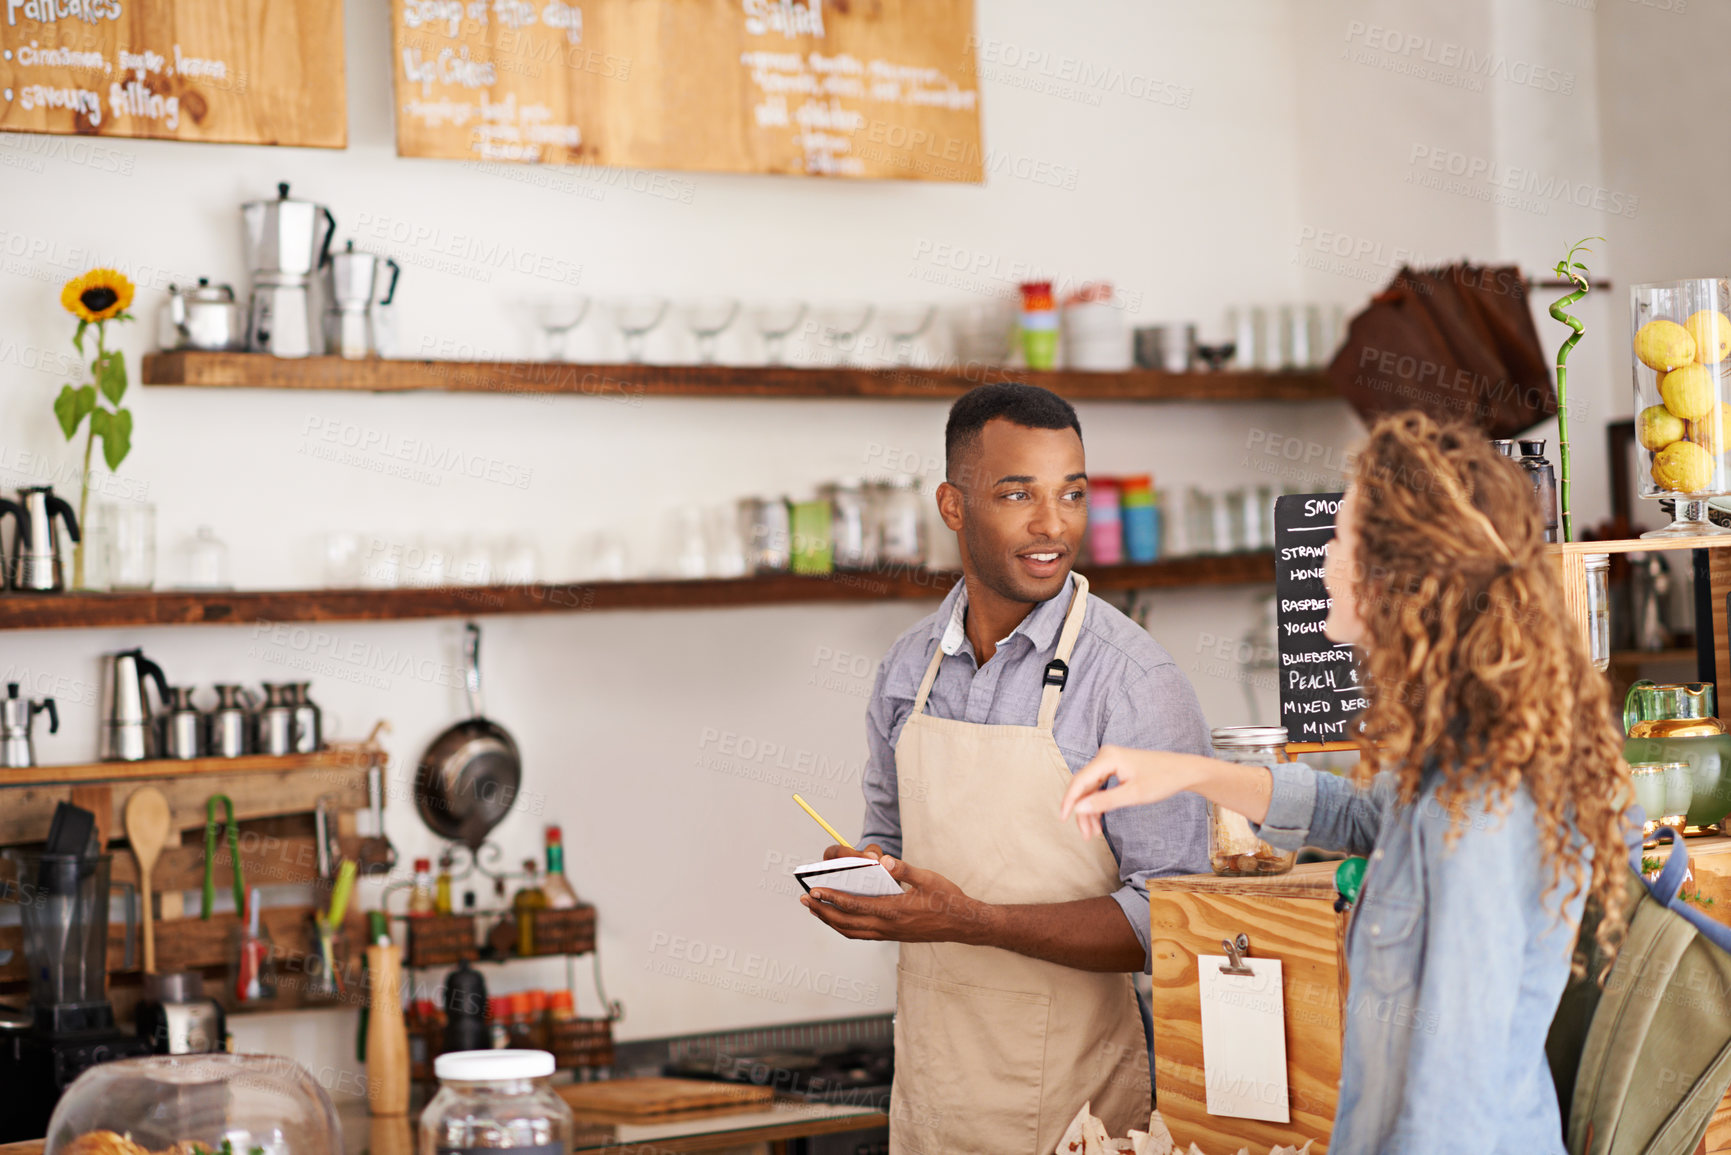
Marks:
<point>647,1097</point>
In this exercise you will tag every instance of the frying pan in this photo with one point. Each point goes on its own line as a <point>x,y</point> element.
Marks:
<point>468,777</point>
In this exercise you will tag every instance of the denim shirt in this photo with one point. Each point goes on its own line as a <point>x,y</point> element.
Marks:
<point>1457,960</point>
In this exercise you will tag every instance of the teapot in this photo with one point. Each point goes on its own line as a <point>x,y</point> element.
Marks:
<point>1676,710</point>
<point>207,317</point>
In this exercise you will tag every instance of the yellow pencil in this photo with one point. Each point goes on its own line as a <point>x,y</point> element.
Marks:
<point>818,818</point>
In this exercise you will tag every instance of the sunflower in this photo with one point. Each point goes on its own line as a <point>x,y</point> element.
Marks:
<point>97,296</point>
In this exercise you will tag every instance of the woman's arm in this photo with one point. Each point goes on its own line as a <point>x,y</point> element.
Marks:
<point>1294,804</point>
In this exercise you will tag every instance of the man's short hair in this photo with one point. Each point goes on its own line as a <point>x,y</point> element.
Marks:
<point>1026,405</point>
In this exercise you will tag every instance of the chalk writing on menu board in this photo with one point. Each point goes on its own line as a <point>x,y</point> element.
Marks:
<point>886,89</point>
<point>241,71</point>
<point>1319,690</point>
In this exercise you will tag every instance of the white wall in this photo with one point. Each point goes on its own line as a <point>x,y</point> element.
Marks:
<point>626,720</point>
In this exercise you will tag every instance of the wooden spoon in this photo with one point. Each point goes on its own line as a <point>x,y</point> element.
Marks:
<point>147,821</point>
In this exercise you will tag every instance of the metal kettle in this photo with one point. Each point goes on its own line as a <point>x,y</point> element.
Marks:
<point>287,236</point>
<point>206,317</point>
<point>16,714</point>
<point>182,726</point>
<point>35,562</point>
<point>228,727</point>
<point>128,731</point>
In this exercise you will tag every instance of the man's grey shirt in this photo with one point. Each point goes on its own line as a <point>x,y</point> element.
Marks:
<point>1123,689</point>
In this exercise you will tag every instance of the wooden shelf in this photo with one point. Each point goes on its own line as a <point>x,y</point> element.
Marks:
<point>262,371</point>
<point>87,773</point>
<point>244,607</point>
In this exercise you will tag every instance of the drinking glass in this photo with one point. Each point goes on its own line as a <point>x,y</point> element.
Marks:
<point>1682,351</point>
<point>775,320</point>
<point>983,332</point>
<point>475,564</point>
<point>709,318</point>
<point>839,326</point>
<point>557,317</point>
<point>904,323</point>
<point>132,546</point>
<point>342,560</point>
<point>519,562</point>
<point>636,318</point>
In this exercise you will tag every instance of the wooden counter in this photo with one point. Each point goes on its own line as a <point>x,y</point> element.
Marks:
<point>1291,917</point>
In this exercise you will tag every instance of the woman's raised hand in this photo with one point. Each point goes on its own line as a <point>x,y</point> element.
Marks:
<point>1144,776</point>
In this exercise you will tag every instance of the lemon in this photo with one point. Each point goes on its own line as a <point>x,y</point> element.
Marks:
<point>1664,345</point>
<point>1711,332</point>
<point>1706,431</point>
<point>1689,392</point>
<point>1684,467</point>
<point>1658,427</point>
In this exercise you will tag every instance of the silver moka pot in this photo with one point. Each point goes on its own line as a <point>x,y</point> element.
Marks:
<point>16,715</point>
<point>35,562</point>
<point>127,724</point>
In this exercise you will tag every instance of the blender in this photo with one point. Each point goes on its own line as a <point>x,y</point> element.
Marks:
<point>61,893</point>
<point>287,243</point>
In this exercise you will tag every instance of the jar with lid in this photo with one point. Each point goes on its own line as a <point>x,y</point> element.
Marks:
<point>902,523</point>
<point>854,548</point>
<point>1234,849</point>
<point>1598,571</point>
<point>495,1101</point>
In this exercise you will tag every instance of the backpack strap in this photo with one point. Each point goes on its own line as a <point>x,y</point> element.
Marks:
<point>1702,1100</point>
<point>1669,885</point>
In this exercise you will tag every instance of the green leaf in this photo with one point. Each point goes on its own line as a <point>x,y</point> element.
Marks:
<point>111,376</point>
<point>66,411</point>
<point>117,438</point>
<point>99,421</point>
<point>78,337</point>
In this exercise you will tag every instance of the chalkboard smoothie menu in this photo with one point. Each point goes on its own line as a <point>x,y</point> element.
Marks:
<point>814,87</point>
<point>1319,690</point>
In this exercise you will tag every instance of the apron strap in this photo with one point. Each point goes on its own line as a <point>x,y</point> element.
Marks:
<point>931,676</point>
<point>1058,672</point>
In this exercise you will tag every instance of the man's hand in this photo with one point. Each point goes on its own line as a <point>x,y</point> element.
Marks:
<point>931,909</point>
<point>871,851</point>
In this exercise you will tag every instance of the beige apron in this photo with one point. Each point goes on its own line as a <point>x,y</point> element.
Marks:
<point>995,1051</point>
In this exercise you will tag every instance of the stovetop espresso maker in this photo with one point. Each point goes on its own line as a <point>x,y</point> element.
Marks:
<point>287,243</point>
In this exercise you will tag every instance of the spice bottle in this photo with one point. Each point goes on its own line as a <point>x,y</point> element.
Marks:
<point>496,1101</point>
<point>1234,847</point>
<point>1544,480</point>
<point>523,907</point>
<point>421,900</point>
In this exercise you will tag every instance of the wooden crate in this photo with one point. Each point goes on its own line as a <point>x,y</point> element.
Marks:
<point>273,797</point>
<point>582,1043</point>
<point>438,940</point>
<point>569,931</point>
<point>1291,917</point>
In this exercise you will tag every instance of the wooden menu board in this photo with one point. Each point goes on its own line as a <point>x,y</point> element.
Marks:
<point>856,88</point>
<point>1319,690</point>
<point>236,71</point>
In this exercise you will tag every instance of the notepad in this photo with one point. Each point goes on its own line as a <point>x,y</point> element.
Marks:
<point>862,876</point>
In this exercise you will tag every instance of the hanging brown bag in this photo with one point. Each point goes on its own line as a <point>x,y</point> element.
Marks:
<point>1457,342</point>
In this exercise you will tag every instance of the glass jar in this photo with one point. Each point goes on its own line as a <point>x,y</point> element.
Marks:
<point>852,548</point>
<point>902,524</point>
<point>495,1101</point>
<point>1682,349</point>
<point>1665,791</point>
<point>183,1102</point>
<point>132,544</point>
<point>1598,567</point>
<point>1234,849</point>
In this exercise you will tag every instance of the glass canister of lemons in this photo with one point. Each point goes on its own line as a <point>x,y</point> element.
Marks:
<point>1681,356</point>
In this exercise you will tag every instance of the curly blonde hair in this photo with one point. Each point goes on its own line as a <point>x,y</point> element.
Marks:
<point>1476,668</point>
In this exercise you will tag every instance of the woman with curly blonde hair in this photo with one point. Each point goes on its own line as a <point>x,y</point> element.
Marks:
<point>1489,797</point>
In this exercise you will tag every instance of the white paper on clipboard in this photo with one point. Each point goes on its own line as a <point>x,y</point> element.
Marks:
<point>1244,1040</point>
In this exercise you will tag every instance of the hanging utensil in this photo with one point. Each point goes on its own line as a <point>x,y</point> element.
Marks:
<point>147,823</point>
<point>209,902</point>
<point>468,778</point>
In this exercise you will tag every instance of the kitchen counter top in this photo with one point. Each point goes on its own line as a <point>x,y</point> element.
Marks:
<point>697,1131</point>
<point>694,1131</point>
